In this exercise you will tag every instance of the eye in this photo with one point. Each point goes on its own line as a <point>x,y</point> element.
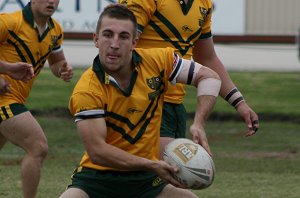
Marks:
<point>124,36</point>
<point>107,34</point>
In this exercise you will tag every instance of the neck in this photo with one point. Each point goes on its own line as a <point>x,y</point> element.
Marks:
<point>40,21</point>
<point>41,24</point>
<point>123,76</point>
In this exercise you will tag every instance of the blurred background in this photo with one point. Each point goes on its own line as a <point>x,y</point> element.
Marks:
<point>258,42</point>
<point>249,34</point>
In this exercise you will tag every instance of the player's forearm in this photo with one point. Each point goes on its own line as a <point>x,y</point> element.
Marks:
<point>227,84</point>
<point>4,67</point>
<point>228,91</point>
<point>114,157</point>
<point>56,67</point>
<point>205,105</point>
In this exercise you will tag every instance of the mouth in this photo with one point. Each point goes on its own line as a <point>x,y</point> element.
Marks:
<point>50,8</point>
<point>113,56</point>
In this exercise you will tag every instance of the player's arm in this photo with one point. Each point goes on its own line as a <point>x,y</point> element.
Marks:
<point>208,86</point>
<point>204,53</point>
<point>59,66</point>
<point>19,71</point>
<point>93,134</point>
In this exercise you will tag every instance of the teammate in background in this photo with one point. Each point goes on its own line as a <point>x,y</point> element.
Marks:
<point>117,104</point>
<point>186,26</point>
<point>19,71</point>
<point>30,36</point>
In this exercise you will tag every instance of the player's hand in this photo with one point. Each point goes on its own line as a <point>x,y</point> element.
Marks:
<point>66,72</point>
<point>4,86</point>
<point>199,137</point>
<point>249,117</point>
<point>165,171</point>
<point>21,71</point>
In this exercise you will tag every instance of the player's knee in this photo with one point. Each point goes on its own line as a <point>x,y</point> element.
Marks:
<point>43,150</point>
<point>39,150</point>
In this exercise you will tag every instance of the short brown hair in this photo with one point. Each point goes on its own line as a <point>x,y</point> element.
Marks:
<point>118,11</point>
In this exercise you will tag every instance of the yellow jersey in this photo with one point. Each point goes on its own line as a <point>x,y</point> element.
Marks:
<point>132,116</point>
<point>172,23</point>
<point>21,42</point>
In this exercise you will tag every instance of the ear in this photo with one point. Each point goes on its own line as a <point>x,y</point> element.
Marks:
<point>134,42</point>
<point>95,39</point>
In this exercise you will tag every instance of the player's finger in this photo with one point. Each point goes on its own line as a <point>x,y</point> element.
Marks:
<point>205,145</point>
<point>255,125</point>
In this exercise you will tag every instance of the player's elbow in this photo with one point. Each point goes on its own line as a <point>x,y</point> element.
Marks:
<point>208,82</point>
<point>206,72</point>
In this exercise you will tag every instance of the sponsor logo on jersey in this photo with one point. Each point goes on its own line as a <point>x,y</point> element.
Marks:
<point>157,181</point>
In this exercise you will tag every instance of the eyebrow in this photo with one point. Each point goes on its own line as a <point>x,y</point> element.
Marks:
<point>110,31</point>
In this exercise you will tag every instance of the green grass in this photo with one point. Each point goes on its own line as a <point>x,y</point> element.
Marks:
<point>265,92</point>
<point>265,165</point>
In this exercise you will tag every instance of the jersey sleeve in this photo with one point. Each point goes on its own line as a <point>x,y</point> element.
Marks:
<point>171,62</point>
<point>86,100</point>
<point>6,23</point>
<point>142,9</point>
<point>58,31</point>
<point>206,13</point>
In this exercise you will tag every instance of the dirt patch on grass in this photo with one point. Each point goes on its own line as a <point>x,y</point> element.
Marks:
<point>215,116</point>
<point>10,162</point>
<point>266,117</point>
<point>290,154</point>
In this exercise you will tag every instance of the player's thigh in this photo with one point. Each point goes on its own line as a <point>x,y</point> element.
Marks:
<point>74,193</point>
<point>24,131</point>
<point>171,191</point>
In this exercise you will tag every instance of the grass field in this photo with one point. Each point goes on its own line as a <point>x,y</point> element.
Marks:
<point>264,166</point>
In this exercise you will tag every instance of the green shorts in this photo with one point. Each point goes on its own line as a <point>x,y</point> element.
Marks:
<point>173,123</point>
<point>11,110</point>
<point>112,184</point>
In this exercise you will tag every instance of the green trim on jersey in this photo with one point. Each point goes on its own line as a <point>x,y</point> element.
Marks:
<point>154,101</point>
<point>176,33</point>
<point>132,122</point>
<point>117,184</point>
<point>28,16</point>
<point>176,24</point>
<point>20,41</point>
<point>186,7</point>
<point>103,77</point>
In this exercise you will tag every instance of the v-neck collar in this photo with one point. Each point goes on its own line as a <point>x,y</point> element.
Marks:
<point>107,79</point>
<point>185,7</point>
<point>28,16</point>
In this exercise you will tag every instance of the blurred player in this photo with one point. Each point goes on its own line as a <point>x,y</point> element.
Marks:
<point>31,36</point>
<point>185,26</point>
<point>19,71</point>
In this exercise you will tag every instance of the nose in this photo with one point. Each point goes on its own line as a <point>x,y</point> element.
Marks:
<point>115,42</point>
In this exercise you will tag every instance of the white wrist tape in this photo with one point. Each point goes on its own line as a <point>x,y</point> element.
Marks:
<point>209,86</point>
<point>234,97</point>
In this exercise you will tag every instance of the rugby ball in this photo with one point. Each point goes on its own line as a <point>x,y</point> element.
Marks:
<point>196,167</point>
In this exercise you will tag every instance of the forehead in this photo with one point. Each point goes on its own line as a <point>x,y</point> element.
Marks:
<point>116,25</point>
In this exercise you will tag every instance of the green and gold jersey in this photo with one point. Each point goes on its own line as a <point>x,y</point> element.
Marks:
<point>132,116</point>
<point>21,42</point>
<point>172,23</point>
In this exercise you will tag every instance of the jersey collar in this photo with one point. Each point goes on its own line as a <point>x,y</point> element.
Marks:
<point>28,16</point>
<point>186,7</point>
<point>107,79</point>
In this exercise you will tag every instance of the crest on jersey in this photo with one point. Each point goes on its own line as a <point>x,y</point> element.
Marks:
<point>204,13</point>
<point>154,83</point>
<point>54,40</point>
